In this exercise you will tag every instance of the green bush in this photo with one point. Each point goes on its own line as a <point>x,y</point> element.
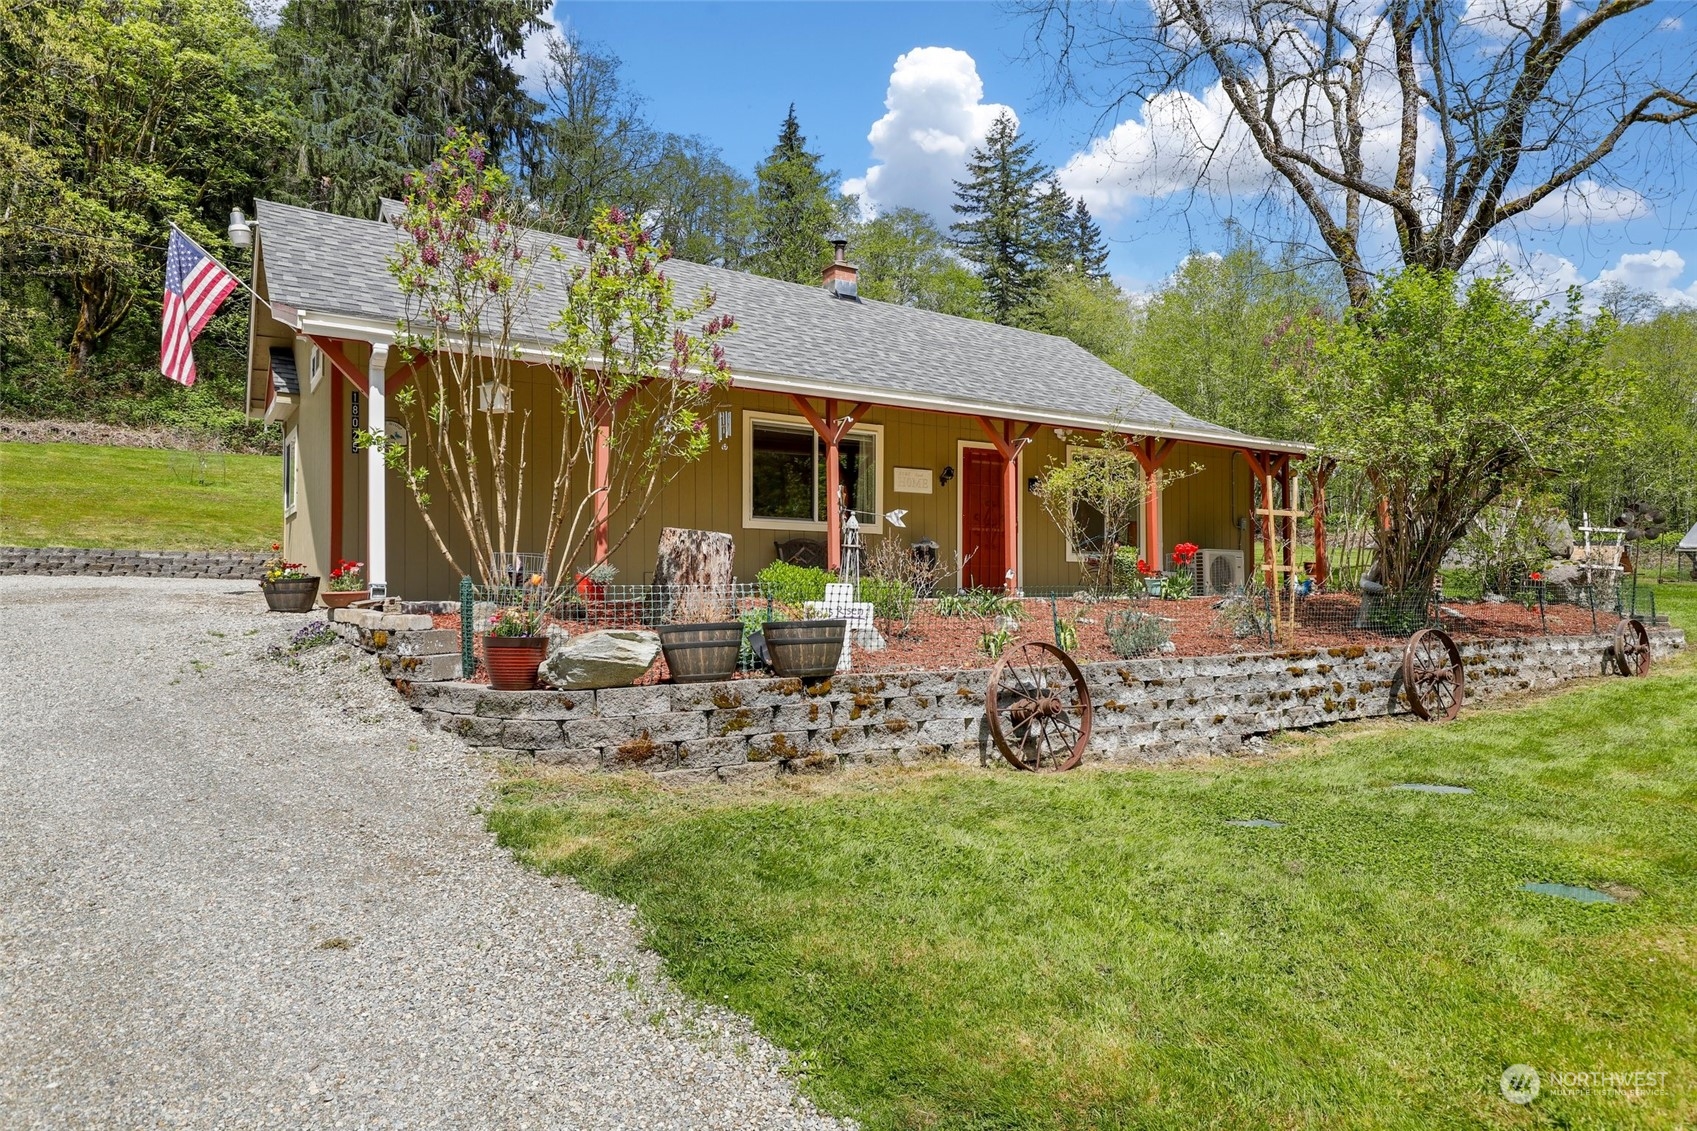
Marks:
<point>1131,633</point>
<point>891,600</point>
<point>793,585</point>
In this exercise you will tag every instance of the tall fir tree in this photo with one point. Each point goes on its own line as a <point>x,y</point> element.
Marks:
<point>794,209</point>
<point>1053,209</point>
<point>378,84</point>
<point>1089,251</point>
<point>1000,230</point>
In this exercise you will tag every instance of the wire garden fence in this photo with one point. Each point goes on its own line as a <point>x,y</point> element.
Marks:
<point>893,628</point>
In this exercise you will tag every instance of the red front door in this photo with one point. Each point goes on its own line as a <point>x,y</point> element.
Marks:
<point>983,545</point>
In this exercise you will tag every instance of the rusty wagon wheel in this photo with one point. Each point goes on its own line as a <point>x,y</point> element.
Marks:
<point>1632,648</point>
<point>1038,707</point>
<point>1432,675</point>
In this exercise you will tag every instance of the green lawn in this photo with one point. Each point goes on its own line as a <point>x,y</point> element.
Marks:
<point>136,498</point>
<point>956,948</point>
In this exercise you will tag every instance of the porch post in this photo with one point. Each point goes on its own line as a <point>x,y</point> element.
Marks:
<point>1010,507</point>
<point>376,510</point>
<point>1151,454</point>
<point>598,485</point>
<point>833,488</point>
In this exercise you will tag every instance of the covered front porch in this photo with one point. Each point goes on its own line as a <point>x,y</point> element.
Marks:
<point>961,481</point>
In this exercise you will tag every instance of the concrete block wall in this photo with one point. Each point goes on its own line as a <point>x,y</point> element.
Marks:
<point>1145,710</point>
<point>68,561</point>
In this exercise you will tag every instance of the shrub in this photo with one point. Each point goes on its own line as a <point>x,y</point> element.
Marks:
<point>1132,633</point>
<point>793,585</point>
<point>891,598</point>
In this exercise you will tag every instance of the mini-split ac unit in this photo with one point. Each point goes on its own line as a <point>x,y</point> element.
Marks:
<point>1221,572</point>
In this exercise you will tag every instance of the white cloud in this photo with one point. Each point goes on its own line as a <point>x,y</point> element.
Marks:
<point>1588,202</point>
<point>1504,19</point>
<point>1672,23</point>
<point>1545,275</point>
<point>1657,272</point>
<point>531,63</point>
<point>935,114</point>
<point>1180,141</point>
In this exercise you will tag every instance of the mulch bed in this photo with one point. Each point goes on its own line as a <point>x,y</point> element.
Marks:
<point>1199,626</point>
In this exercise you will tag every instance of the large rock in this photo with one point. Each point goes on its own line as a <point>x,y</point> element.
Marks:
<point>614,658</point>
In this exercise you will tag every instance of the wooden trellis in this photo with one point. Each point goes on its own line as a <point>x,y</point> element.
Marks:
<point>1278,524</point>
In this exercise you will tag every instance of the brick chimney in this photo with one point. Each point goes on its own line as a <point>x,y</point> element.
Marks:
<point>841,276</point>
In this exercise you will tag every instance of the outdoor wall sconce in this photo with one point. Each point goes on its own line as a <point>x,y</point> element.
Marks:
<point>948,474</point>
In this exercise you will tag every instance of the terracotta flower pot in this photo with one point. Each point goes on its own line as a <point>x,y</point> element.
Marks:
<point>342,598</point>
<point>512,661</point>
<point>290,594</point>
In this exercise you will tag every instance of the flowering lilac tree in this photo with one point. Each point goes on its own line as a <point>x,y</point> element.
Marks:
<point>633,369</point>
<point>637,371</point>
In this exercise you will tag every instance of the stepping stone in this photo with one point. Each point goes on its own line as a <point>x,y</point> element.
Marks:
<point>1568,891</point>
<point>1258,823</point>
<point>1424,787</point>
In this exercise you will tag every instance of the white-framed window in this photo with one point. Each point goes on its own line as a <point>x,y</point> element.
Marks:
<point>1089,533</point>
<point>291,447</point>
<point>783,473</point>
<point>314,368</point>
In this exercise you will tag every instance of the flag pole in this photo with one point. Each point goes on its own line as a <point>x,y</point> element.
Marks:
<point>261,299</point>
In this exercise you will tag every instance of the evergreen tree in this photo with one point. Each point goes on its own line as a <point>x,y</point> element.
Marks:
<point>378,84</point>
<point>793,209</point>
<point>1000,231</point>
<point>1089,251</point>
<point>1053,209</point>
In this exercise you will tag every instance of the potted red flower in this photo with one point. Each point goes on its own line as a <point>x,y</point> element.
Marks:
<point>347,585</point>
<point>287,586</point>
<point>1152,579</point>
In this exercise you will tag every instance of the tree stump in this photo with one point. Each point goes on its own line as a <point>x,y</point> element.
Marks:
<point>695,572</point>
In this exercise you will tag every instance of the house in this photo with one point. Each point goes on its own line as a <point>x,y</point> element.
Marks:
<point>948,419</point>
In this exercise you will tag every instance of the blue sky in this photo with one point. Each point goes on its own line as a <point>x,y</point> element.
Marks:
<point>893,94</point>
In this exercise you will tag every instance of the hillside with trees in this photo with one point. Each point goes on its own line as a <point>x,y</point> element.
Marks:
<point>112,129</point>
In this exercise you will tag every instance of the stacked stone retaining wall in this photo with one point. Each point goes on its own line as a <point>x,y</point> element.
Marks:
<point>1145,710</point>
<point>69,561</point>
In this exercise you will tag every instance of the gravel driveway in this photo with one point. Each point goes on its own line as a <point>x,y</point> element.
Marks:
<point>239,894</point>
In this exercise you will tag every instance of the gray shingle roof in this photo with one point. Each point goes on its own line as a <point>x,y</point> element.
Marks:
<point>326,264</point>
<point>284,377</point>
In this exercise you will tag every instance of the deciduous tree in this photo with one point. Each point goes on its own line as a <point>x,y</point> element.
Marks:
<point>1446,397</point>
<point>1440,123</point>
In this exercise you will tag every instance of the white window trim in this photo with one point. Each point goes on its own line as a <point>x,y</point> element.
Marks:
<point>751,417</point>
<point>291,472</point>
<point>1071,551</point>
<point>960,511</point>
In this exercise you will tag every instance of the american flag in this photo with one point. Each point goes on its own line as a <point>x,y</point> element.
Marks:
<point>195,285</point>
